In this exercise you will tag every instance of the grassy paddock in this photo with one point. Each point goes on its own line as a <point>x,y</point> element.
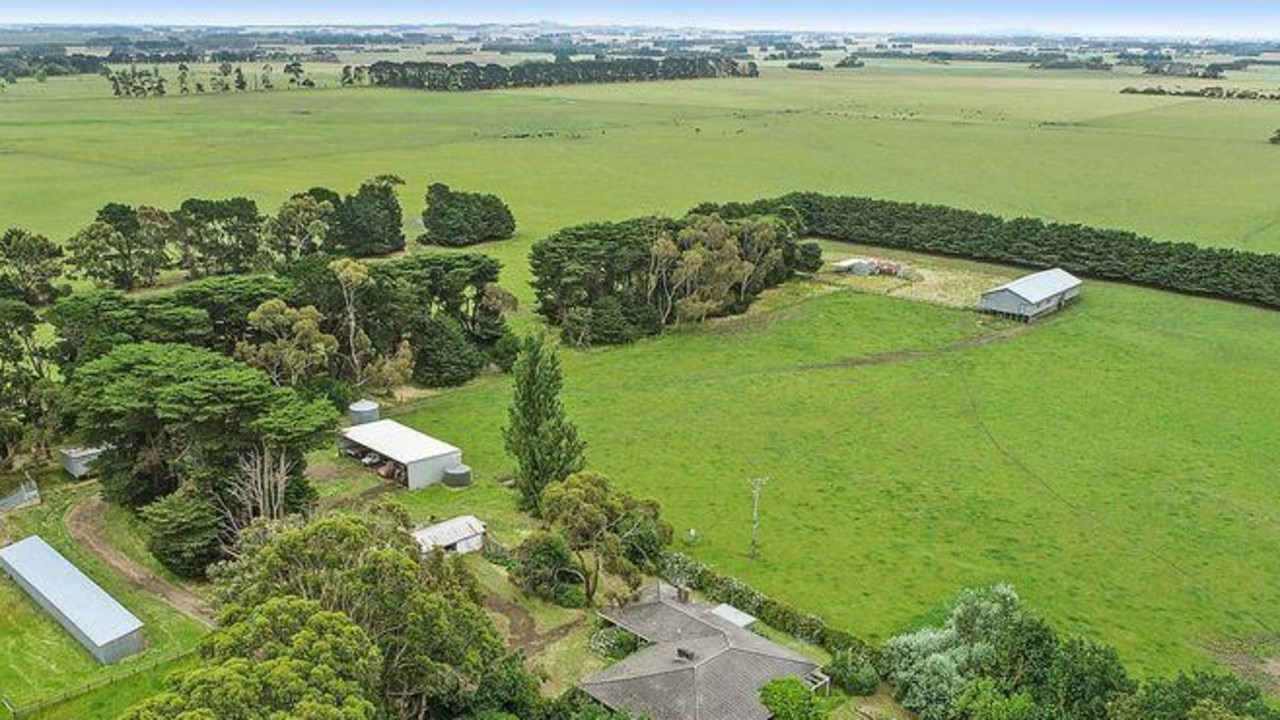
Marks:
<point>38,659</point>
<point>997,138</point>
<point>1110,462</point>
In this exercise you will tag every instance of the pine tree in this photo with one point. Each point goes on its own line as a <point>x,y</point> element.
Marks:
<point>543,442</point>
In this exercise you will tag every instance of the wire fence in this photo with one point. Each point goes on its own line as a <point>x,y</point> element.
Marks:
<point>18,712</point>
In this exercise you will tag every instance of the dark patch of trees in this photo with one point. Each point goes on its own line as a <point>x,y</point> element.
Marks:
<point>1275,139</point>
<point>1094,252</point>
<point>470,76</point>
<point>454,218</point>
<point>43,61</point>
<point>1212,92</point>
<point>1094,63</point>
<point>850,61</point>
<point>607,283</point>
<point>794,55</point>
<point>810,66</point>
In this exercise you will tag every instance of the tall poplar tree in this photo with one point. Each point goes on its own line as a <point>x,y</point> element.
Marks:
<point>541,439</point>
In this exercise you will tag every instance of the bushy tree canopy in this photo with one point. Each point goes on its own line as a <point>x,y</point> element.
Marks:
<point>455,218</point>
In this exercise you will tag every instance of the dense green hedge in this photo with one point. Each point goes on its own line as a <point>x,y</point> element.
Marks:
<point>680,569</point>
<point>1093,252</point>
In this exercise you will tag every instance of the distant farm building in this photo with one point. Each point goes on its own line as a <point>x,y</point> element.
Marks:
<point>103,626</point>
<point>1033,296</point>
<point>78,461</point>
<point>699,665</point>
<point>460,535</point>
<point>413,458</point>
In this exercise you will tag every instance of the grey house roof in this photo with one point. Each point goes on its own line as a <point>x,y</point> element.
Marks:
<point>1040,286</point>
<point>700,667</point>
<point>61,588</point>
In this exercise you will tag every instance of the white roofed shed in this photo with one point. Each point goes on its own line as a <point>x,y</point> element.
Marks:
<point>101,624</point>
<point>461,535</point>
<point>423,457</point>
<point>1032,296</point>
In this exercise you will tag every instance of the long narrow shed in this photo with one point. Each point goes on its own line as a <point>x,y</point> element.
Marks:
<point>423,458</point>
<point>103,626</point>
<point>1032,296</point>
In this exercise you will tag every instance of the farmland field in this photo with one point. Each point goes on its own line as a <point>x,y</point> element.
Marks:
<point>1113,463</point>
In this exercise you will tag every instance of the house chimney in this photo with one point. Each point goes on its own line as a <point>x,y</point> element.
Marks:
<point>685,654</point>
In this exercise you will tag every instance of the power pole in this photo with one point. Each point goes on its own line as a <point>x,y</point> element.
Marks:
<point>757,487</point>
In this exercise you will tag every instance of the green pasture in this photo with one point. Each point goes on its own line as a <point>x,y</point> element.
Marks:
<point>991,137</point>
<point>1112,462</point>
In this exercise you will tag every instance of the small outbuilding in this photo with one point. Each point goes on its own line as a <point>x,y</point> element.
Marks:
<point>78,461</point>
<point>460,535</point>
<point>1033,296</point>
<point>420,459</point>
<point>101,624</point>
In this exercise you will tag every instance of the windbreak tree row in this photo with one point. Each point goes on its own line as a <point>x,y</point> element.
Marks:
<point>470,76</point>
<point>1094,252</point>
<point>611,283</point>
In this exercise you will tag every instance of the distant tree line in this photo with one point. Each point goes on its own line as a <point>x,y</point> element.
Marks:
<point>1094,252</point>
<point>470,76</point>
<point>1091,63</point>
<point>806,65</point>
<point>45,61</point>
<point>850,61</point>
<point>794,55</point>
<point>610,283</point>
<point>1212,92</point>
<point>133,82</point>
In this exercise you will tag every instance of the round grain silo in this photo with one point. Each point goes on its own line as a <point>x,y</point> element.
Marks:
<point>364,411</point>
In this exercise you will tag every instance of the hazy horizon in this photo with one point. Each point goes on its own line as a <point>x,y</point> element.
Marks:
<point>1254,20</point>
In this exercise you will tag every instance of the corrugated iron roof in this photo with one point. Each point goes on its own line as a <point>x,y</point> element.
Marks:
<point>80,600</point>
<point>1040,286</point>
<point>449,532</point>
<point>399,442</point>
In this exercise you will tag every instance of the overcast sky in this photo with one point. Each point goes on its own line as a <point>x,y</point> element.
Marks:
<point>1096,17</point>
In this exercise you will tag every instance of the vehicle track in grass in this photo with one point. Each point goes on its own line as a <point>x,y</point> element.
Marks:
<point>85,523</point>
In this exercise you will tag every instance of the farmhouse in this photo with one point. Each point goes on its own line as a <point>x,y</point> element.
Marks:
<point>461,535</point>
<point>108,631</point>
<point>698,666</point>
<point>1033,296</point>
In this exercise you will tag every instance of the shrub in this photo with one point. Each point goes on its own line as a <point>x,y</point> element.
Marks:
<point>543,566</point>
<point>790,699</point>
<point>505,351</point>
<point>853,673</point>
<point>182,532</point>
<point>443,356</point>
<point>614,643</point>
